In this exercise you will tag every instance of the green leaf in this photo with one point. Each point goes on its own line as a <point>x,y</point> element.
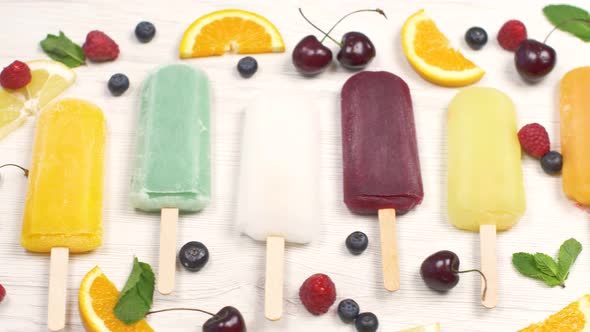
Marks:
<point>562,17</point>
<point>61,48</point>
<point>137,296</point>
<point>525,264</point>
<point>568,252</point>
<point>546,264</point>
<point>551,281</point>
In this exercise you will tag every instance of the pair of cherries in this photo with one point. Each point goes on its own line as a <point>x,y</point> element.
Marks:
<point>312,57</point>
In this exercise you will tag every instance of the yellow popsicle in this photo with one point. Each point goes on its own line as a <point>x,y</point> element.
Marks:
<point>64,198</point>
<point>574,105</point>
<point>485,184</point>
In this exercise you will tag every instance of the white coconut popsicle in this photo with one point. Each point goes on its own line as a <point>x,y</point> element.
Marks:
<point>278,196</point>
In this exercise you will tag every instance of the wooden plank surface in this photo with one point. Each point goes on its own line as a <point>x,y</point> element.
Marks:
<point>235,272</point>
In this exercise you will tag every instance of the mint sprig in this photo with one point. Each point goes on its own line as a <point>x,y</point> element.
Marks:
<point>543,267</point>
<point>569,19</point>
<point>61,48</point>
<point>136,297</point>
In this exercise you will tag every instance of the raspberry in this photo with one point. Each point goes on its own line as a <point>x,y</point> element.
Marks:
<point>534,140</point>
<point>99,47</point>
<point>318,293</point>
<point>15,76</point>
<point>511,35</point>
<point>2,293</point>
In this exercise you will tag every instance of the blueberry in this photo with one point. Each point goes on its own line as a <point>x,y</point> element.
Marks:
<point>193,256</point>
<point>247,66</point>
<point>357,242</point>
<point>145,31</point>
<point>476,37</point>
<point>552,162</point>
<point>348,310</point>
<point>118,84</point>
<point>366,322</point>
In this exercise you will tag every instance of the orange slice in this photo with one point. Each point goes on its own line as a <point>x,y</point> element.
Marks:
<point>230,30</point>
<point>573,318</point>
<point>97,297</point>
<point>429,52</point>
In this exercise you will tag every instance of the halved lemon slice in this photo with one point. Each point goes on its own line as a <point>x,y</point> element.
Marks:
<point>12,114</point>
<point>49,80</point>
<point>97,298</point>
<point>429,52</point>
<point>230,30</point>
<point>573,318</point>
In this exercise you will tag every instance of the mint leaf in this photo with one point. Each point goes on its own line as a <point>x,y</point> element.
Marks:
<point>525,264</point>
<point>546,264</point>
<point>136,297</point>
<point>61,48</point>
<point>552,281</point>
<point>559,15</point>
<point>568,252</point>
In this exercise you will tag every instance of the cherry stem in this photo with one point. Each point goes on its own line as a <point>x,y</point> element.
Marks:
<point>345,16</point>
<point>320,30</point>
<point>565,22</point>
<point>327,34</point>
<point>179,309</point>
<point>485,281</point>
<point>26,171</point>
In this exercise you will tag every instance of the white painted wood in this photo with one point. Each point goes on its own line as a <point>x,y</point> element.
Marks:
<point>235,273</point>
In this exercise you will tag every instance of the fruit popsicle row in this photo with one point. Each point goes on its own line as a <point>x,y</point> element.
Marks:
<point>381,169</point>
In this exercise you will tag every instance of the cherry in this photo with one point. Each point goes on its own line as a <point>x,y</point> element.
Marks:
<point>228,319</point>
<point>440,271</point>
<point>310,56</point>
<point>26,171</point>
<point>356,52</point>
<point>534,60</point>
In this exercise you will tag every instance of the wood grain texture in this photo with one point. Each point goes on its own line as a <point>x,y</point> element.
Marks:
<point>389,250</point>
<point>235,272</point>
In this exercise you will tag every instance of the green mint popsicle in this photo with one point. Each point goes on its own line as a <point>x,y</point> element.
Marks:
<point>172,166</point>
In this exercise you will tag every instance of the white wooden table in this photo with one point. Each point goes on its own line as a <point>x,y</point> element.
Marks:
<point>234,275</point>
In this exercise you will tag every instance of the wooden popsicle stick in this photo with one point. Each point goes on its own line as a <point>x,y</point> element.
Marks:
<point>58,289</point>
<point>389,255</point>
<point>273,287</point>
<point>167,261</point>
<point>487,236</point>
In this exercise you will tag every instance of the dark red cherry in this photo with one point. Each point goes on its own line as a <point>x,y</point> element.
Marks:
<point>534,60</point>
<point>356,51</point>
<point>310,56</point>
<point>228,319</point>
<point>439,270</point>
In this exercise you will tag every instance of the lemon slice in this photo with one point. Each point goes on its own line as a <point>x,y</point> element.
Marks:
<point>230,30</point>
<point>12,114</point>
<point>49,80</point>
<point>431,55</point>
<point>426,328</point>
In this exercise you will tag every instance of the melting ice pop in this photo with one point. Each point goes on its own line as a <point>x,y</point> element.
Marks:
<point>172,170</point>
<point>380,156</point>
<point>485,185</point>
<point>63,211</point>
<point>278,196</point>
<point>575,134</point>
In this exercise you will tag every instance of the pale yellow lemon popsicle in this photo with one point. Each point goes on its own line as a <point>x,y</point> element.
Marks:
<point>63,209</point>
<point>574,106</point>
<point>485,185</point>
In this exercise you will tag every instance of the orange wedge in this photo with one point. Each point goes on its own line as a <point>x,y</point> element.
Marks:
<point>573,318</point>
<point>429,52</point>
<point>97,297</point>
<point>230,30</point>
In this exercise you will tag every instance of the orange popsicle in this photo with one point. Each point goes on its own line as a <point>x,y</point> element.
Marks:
<point>574,105</point>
